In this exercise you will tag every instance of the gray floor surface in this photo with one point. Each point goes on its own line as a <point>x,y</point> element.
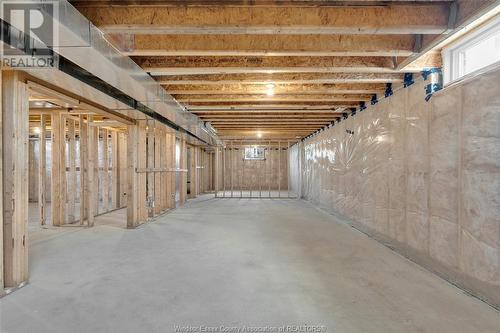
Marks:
<point>240,264</point>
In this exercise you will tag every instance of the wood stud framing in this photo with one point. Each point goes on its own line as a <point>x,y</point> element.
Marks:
<point>240,178</point>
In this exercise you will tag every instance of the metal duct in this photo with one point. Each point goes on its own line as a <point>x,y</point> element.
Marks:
<point>87,54</point>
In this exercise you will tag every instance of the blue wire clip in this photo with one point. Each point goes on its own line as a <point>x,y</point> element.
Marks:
<point>388,90</point>
<point>427,72</point>
<point>408,80</point>
<point>431,89</point>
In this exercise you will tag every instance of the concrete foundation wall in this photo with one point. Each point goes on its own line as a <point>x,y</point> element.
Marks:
<point>423,177</point>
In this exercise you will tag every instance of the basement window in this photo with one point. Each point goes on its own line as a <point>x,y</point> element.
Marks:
<point>475,51</point>
<point>254,153</point>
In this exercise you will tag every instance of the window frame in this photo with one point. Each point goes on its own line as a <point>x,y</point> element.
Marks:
<point>453,62</point>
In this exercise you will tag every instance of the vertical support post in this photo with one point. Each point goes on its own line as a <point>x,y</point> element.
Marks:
<point>288,168</point>
<point>1,188</point>
<point>170,164</point>
<point>58,194</point>
<point>72,171</point>
<point>196,172</point>
<point>15,134</point>
<point>216,173</point>
<point>105,168</point>
<point>232,167</point>
<point>164,165</point>
<point>224,170</point>
<point>115,171</point>
<point>150,166</point>
<point>136,189</point>
<point>268,176</point>
<point>141,191</point>
<point>183,175</point>
<point>260,177</point>
<point>242,157</point>
<point>158,188</point>
<point>91,190</point>
<point>122,166</point>
<point>42,170</point>
<point>279,169</point>
<point>98,170</point>
<point>250,183</point>
<point>299,168</point>
<point>83,169</point>
<point>132,176</point>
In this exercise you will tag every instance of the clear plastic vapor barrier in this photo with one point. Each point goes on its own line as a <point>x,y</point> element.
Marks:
<point>421,175</point>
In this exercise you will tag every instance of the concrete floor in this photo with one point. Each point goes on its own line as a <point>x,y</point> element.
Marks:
<point>233,262</point>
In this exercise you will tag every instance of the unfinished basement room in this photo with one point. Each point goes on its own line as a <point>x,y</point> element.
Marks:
<point>250,166</point>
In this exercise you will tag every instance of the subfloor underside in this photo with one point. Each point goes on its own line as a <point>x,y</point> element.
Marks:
<point>233,263</point>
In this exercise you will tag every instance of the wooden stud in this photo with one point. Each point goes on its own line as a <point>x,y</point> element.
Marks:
<point>15,132</point>
<point>92,188</point>
<point>83,137</point>
<point>163,158</point>
<point>42,170</point>
<point>58,188</point>
<point>217,169</point>
<point>105,169</point>
<point>123,183</point>
<point>183,175</point>
<point>158,189</point>
<point>115,171</point>
<point>132,176</point>
<point>142,211</point>
<point>150,164</point>
<point>2,107</point>
<point>72,171</point>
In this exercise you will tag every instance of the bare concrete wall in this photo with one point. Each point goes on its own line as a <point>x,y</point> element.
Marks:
<point>421,176</point>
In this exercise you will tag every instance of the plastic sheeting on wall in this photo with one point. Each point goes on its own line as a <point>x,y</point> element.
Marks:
<point>421,175</point>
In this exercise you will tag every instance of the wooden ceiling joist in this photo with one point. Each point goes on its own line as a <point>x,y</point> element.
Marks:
<point>228,20</point>
<point>263,98</point>
<point>236,65</point>
<point>270,116</point>
<point>265,45</point>
<point>280,78</point>
<point>267,104</point>
<point>245,3</point>
<point>278,89</point>
<point>262,107</point>
<point>273,113</point>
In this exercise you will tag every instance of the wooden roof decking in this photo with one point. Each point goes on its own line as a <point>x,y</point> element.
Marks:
<point>282,69</point>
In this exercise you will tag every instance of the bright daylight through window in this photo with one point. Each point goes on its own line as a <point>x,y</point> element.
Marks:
<point>478,50</point>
